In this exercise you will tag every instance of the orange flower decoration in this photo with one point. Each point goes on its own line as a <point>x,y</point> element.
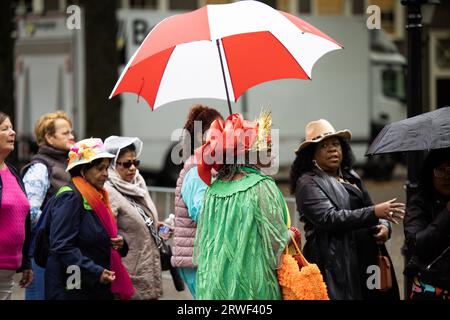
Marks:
<point>301,282</point>
<point>88,153</point>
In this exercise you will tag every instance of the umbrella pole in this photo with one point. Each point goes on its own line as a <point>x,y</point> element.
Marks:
<point>224,79</point>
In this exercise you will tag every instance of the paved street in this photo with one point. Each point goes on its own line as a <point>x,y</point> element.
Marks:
<point>168,288</point>
<point>379,191</point>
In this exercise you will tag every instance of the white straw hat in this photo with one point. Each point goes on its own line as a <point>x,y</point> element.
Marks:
<point>316,131</point>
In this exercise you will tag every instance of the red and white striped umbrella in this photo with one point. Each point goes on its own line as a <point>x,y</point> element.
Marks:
<point>220,51</point>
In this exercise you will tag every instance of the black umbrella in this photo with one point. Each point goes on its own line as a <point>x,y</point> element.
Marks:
<point>426,131</point>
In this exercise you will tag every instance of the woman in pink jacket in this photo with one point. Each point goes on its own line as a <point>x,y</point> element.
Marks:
<point>189,194</point>
<point>14,217</point>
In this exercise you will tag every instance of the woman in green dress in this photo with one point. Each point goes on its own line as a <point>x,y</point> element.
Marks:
<point>243,227</point>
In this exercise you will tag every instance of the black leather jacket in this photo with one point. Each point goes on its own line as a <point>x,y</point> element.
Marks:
<point>427,235</point>
<point>324,207</point>
<point>26,261</point>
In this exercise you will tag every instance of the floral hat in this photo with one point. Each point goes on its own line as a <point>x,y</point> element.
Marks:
<point>86,151</point>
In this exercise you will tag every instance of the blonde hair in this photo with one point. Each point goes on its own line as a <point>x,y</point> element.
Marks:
<point>46,125</point>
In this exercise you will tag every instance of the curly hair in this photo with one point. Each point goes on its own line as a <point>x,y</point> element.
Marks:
<point>434,159</point>
<point>46,125</point>
<point>206,116</point>
<point>304,161</point>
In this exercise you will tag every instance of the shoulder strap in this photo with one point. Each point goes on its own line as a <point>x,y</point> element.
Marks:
<point>148,221</point>
<point>12,169</point>
<point>438,258</point>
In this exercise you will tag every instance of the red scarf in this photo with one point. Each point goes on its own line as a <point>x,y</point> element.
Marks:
<point>99,201</point>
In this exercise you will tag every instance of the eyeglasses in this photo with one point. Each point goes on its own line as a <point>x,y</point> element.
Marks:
<point>442,172</point>
<point>128,164</point>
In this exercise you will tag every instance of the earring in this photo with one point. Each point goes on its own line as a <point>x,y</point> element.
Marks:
<point>316,165</point>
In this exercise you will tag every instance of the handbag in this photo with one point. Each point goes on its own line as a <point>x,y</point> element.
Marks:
<point>299,279</point>
<point>384,264</point>
<point>166,254</point>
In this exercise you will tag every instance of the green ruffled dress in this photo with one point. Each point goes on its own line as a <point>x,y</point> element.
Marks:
<point>240,237</point>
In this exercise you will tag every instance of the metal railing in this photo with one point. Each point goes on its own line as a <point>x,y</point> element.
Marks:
<point>164,199</point>
<point>167,205</point>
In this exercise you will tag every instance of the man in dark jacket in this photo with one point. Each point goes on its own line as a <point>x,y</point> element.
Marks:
<point>427,230</point>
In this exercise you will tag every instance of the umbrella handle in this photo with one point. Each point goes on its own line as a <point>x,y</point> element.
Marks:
<point>224,79</point>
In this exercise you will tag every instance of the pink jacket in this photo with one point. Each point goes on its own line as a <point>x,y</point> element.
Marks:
<point>185,227</point>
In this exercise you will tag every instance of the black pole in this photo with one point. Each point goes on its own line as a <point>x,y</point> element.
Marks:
<point>224,79</point>
<point>244,100</point>
<point>414,102</point>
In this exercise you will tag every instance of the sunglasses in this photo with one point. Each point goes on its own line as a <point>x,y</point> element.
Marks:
<point>128,164</point>
<point>442,172</point>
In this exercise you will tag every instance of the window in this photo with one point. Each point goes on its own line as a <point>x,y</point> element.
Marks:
<point>387,8</point>
<point>51,5</point>
<point>304,6</point>
<point>394,84</point>
<point>272,3</point>
<point>443,53</point>
<point>358,7</point>
<point>329,7</point>
<point>147,4</point>
<point>443,94</point>
<point>183,4</point>
<point>23,7</point>
<point>206,2</point>
<point>77,2</point>
<point>283,5</point>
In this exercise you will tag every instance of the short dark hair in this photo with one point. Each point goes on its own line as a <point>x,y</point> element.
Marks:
<point>304,161</point>
<point>434,159</point>
<point>129,148</point>
<point>76,171</point>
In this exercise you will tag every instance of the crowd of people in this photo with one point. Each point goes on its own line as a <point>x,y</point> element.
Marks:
<point>231,220</point>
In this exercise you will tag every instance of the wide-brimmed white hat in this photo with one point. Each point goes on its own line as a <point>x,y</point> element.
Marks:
<point>316,131</point>
<point>86,151</point>
<point>114,144</point>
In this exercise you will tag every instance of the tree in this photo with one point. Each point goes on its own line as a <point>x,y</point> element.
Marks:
<point>7,61</point>
<point>102,114</point>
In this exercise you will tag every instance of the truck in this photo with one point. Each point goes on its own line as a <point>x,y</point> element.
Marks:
<point>360,88</point>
